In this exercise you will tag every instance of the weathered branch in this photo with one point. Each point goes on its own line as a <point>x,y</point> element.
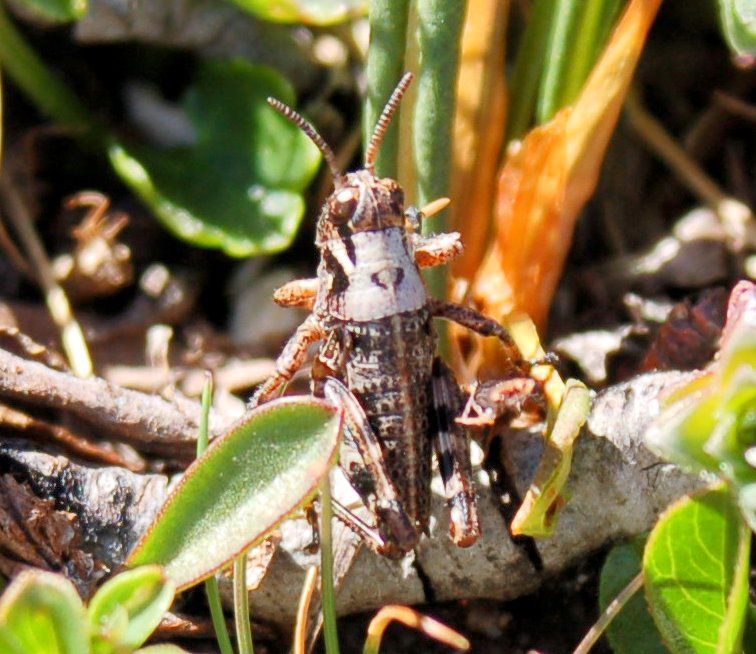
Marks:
<point>149,422</point>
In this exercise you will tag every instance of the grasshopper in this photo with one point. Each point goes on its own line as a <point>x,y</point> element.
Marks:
<point>377,359</point>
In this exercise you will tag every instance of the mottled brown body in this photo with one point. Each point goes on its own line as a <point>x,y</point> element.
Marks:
<point>377,360</point>
<point>394,390</point>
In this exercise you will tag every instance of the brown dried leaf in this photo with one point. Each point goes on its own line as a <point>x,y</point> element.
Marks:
<point>478,127</point>
<point>547,179</point>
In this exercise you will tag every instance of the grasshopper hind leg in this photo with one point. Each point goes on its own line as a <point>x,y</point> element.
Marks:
<point>362,461</point>
<point>452,446</point>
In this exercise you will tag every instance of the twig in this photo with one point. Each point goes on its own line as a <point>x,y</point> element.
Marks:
<point>735,106</point>
<point>149,423</point>
<point>736,217</point>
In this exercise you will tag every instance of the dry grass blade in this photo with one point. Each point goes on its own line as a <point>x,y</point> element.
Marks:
<point>300,629</point>
<point>411,618</point>
<point>479,126</point>
<point>71,334</point>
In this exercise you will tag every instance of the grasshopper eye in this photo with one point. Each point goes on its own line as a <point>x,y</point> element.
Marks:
<point>397,200</point>
<point>343,205</point>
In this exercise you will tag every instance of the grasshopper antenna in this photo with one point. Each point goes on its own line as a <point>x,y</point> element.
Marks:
<point>316,138</point>
<point>383,122</point>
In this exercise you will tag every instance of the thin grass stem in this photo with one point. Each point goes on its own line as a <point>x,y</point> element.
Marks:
<point>330,633</point>
<point>615,606</point>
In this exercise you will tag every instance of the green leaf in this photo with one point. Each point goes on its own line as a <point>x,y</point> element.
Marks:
<point>739,25</point>
<point>311,12</point>
<point>696,568</point>
<point>578,32</point>
<point>57,10</point>
<point>128,608</point>
<point>162,649</point>
<point>42,612</point>
<point>238,187</point>
<point>632,630</point>
<point>244,484</point>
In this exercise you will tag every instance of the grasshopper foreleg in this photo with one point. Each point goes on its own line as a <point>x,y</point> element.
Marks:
<point>290,360</point>
<point>299,293</point>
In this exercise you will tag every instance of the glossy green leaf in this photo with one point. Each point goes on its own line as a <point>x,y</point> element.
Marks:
<point>311,12</point>
<point>243,485</point>
<point>632,630</point>
<point>128,608</point>
<point>696,568</point>
<point>739,25</point>
<point>238,187</point>
<point>57,10</point>
<point>42,612</point>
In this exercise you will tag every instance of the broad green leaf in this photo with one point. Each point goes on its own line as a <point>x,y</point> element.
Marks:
<point>632,630</point>
<point>128,608</point>
<point>238,187</point>
<point>739,25</point>
<point>57,10</point>
<point>311,12</point>
<point>243,485</point>
<point>161,649</point>
<point>45,615</point>
<point>696,568</point>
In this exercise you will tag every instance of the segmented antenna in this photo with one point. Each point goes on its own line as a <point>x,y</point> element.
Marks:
<point>383,122</point>
<point>316,138</point>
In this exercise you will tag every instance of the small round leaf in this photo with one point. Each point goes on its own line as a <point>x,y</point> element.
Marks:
<point>42,612</point>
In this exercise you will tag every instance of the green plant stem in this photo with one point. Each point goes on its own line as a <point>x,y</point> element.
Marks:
<point>564,25</point>
<point>439,32</point>
<point>45,89</point>
<point>330,634</point>
<point>203,434</point>
<point>211,584</point>
<point>615,606</point>
<point>578,31</point>
<point>385,66</point>
<point>241,606</point>
<point>526,77</point>
<point>596,22</point>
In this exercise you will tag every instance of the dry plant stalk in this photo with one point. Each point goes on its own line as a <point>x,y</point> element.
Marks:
<point>479,127</point>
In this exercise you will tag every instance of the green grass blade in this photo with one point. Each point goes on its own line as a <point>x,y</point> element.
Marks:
<point>211,583</point>
<point>385,66</point>
<point>526,78</point>
<point>241,606</point>
<point>51,96</point>
<point>439,33</point>
<point>326,570</point>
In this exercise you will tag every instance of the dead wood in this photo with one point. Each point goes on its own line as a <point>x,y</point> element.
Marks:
<point>148,422</point>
